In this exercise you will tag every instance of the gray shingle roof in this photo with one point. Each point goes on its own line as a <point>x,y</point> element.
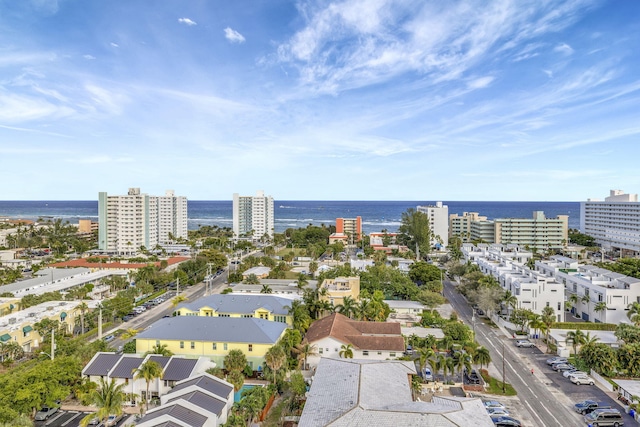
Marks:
<point>102,364</point>
<point>202,400</point>
<point>160,360</point>
<point>125,367</point>
<point>212,385</point>
<point>240,304</point>
<point>179,369</point>
<point>215,329</point>
<point>178,412</point>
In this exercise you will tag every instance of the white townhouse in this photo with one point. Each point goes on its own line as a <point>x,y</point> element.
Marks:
<point>533,290</point>
<point>496,251</point>
<point>601,295</point>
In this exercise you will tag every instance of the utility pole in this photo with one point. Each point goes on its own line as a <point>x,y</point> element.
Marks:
<point>177,286</point>
<point>208,283</point>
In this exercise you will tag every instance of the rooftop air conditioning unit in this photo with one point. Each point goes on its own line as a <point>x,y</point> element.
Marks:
<point>62,303</point>
<point>12,321</point>
<point>32,315</point>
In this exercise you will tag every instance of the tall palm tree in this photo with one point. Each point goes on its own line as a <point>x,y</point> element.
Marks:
<point>425,355</point>
<point>577,337</point>
<point>589,340</point>
<point>536,323</point>
<point>634,312</point>
<point>450,365</point>
<point>509,300</point>
<point>275,358</point>
<point>482,356</point>
<point>266,289</point>
<point>600,307</point>
<point>305,350</point>
<point>346,351</point>
<point>148,372</point>
<point>548,318</point>
<point>108,398</point>
<point>587,301</point>
<point>348,307</point>
<point>572,301</point>
<point>235,360</point>
<point>436,362</point>
<point>83,307</point>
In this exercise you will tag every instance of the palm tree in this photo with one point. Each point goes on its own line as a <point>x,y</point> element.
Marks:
<point>572,301</point>
<point>305,350</point>
<point>450,365</point>
<point>600,307</point>
<point>236,378</point>
<point>275,358</point>
<point>177,300</point>
<point>510,301</point>
<point>548,318</point>
<point>425,355</point>
<point>302,281</point>
<point>577,337</point>
<point>436,363</point>
<point>346,351</point>
<point>634,312</point>
<point>235,360</point>
<point>129,333</point>
<point>108,397</point>
<point>160,349</point>
<point>482,356</point>
<point>589,340</point>
<point>266,289</point>
<point>348,307</point>
<point>83,307</point>
<point>148,372</point>
<point>535,323</point>
<point>586,300</point>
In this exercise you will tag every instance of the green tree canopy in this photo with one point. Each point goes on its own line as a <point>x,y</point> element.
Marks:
<point>415,232</point>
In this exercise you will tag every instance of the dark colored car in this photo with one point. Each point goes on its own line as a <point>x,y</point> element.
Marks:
<point>505,421</point>
<point>588,406</point>
<point>471,377</point>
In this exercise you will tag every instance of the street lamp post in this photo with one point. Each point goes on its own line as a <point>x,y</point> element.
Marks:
<point>503,379</point>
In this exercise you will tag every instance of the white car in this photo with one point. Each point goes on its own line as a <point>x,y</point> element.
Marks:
<point>581,379</point>
<point>524,343</point>
<point>571,372</point>
<point>45,413</point>
<point>428,375</point>
<point>497,411</point>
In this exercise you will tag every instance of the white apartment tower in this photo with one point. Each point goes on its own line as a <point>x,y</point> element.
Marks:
<point>438,221</point>
<point>614,223</point>
<point>128,222</point>
<point>253,215</point>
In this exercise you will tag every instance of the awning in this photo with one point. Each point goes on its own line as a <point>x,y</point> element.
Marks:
<point>63,315</point>
<point>11,306</point>
<point>5,338</point>
<point>27,329</point>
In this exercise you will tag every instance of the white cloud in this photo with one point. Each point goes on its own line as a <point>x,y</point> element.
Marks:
<point>88,57</point>
<point>563,48</point>
<point>187,21</point>
<point>233,36</point>
<point>480,83</point>
<point>99,159</point>
<point>114,44</point>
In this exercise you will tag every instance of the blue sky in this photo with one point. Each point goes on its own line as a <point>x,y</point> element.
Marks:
<point>320,100</point>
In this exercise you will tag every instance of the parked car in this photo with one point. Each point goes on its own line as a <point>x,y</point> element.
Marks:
<point>472,377</point>
<point>112,420</point>
<point>45,412</point>
<point>109,338</point>
<point>409,350</point>
<point>505,421</point>
<point>493,404</point>
<point>560,367</point>
<point>569,372</point>
<point>524,343</point>
<point>557,359</point>
<point>582,379</point>
<point>428,375</point>
<point>587,406</point>
<point>604,417</point>
<point>94,421</point>
<point>497,411</point>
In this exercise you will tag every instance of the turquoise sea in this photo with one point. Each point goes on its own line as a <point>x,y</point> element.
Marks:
<point>376,215</point>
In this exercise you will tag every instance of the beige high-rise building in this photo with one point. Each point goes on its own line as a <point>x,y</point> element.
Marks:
<point>460,226</point>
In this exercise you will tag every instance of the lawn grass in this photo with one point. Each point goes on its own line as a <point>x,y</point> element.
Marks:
<point>495,387</point>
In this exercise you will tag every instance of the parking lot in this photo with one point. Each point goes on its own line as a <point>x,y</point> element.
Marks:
<point>563,389</point>
<point>72,419</point>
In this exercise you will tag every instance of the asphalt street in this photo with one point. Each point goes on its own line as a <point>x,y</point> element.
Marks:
<point>546,404</point>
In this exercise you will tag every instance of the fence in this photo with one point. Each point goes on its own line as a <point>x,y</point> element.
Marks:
<point>606,384</point>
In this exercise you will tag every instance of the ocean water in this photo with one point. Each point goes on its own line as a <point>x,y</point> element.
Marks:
<point>376,215</point>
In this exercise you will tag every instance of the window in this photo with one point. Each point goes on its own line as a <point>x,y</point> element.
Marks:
<point>379,353</point>
<point>559,306</point>
<point>181,344</point>
<point>250,347</point>
<point>193,345</point>
<point>215,346</point>
<point>224,346</point>
<point>320,350</point>
<point>365,353</point>
<point>392,354</point>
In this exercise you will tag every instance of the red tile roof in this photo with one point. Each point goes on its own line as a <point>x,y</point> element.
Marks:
<point>361,335</point>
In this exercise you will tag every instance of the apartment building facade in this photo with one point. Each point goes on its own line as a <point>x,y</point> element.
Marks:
<point>128,222</point>
<point>614,222</point>
<point>253,215</point>
<point>438,215</point>
<point>351,227</point>
<point>460,226</point>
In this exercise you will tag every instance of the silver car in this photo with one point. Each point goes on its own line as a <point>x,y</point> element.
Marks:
<point>45,413</point>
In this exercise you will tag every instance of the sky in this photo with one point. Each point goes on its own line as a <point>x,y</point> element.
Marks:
<point>320,100</point>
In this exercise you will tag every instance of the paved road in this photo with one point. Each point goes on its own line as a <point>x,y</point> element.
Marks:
<point>548,407</point>
<point>147,318</point>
